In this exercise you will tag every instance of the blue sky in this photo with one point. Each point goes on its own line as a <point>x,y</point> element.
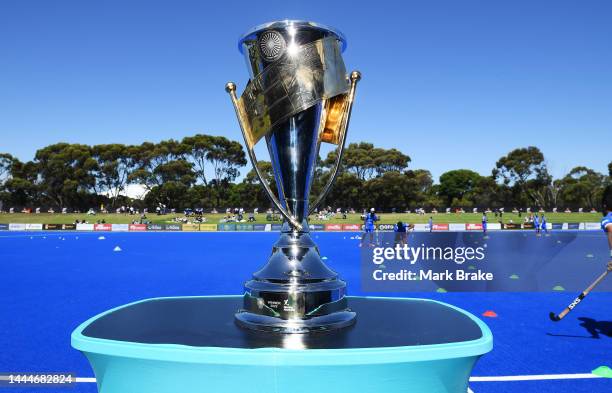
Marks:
<point>454,84</point>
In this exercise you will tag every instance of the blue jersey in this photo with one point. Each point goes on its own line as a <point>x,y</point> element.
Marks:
<point>606,222</point>
<point>543,223</point>
<point>535,222</point>
<point>370,220</point>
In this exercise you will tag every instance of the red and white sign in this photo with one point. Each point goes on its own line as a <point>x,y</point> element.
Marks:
<point>333,227</point>
<point>351,227</point>
<point>473,227</point>
<point>103,227</point>
<point>138,227</point>
<point>440,227</point>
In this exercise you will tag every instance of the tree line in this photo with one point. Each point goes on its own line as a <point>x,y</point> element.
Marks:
<point>202,171</point>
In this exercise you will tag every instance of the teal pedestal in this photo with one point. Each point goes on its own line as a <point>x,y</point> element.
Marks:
<point>191,344</point>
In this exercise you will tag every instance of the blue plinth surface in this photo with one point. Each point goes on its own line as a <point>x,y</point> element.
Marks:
<point>191,344</point>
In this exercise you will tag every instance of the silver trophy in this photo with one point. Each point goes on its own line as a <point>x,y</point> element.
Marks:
<point>298,96</point>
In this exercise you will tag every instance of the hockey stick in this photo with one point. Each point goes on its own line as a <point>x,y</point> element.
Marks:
<point>577,301</point>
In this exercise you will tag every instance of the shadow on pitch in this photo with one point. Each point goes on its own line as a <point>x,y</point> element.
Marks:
<point>595,328</point>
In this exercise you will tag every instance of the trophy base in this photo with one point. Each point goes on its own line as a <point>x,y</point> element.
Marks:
<point>265,323</point>
<point>295,292</point>
<point>284,308</point>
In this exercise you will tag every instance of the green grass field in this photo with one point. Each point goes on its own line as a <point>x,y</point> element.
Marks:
<point>46,218</point>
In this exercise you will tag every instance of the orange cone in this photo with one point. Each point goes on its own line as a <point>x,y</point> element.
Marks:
<point>490,314</point>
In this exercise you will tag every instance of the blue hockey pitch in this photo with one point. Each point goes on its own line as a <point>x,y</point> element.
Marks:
<point>52,281</point>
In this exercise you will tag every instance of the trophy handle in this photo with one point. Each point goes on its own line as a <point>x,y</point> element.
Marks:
<point>355,77</point>
<point>230,87</point>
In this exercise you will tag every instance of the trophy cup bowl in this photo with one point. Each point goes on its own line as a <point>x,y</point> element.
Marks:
<point>298,96</point>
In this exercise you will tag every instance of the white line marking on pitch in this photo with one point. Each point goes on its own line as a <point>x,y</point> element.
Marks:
<point>470,390</point>
<point>91,380</point>
<point>541,377</point>
<point>501,378</point>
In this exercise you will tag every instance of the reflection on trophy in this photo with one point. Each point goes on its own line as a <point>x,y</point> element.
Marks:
<point>298,96</point>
